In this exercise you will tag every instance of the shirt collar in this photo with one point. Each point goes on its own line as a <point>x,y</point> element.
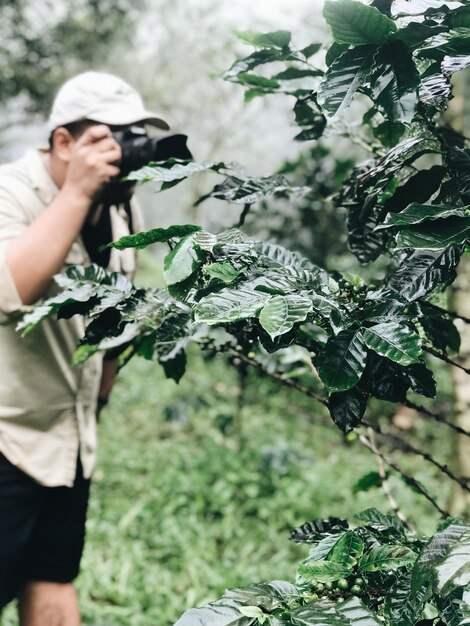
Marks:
<point>40,177</point>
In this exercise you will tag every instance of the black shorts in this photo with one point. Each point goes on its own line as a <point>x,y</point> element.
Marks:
<point>42,530</point>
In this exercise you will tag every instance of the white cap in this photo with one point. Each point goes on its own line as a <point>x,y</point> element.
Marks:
<point>101,98</point>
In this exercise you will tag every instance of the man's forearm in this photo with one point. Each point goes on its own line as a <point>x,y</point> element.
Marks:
<point>40,251</point>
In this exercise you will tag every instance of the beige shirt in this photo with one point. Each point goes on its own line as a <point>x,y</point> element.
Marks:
<point>47,406</point>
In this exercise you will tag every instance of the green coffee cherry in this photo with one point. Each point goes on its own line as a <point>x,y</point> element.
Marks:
<point>356,590</point>
<point>359,581</point>
<point>343,584</point>
<point>329,585</point>
<point>320,587</point>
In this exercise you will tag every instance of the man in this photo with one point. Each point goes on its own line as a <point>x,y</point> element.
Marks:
<point>51,217</point>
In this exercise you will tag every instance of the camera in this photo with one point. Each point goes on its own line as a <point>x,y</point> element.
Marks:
<point>138,149</point>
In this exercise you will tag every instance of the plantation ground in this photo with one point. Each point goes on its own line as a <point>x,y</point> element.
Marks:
<point>191,497</point>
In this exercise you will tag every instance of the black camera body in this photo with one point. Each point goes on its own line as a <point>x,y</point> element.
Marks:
<point>138,149</point>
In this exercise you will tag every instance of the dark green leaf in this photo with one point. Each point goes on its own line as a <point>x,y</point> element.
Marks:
<point>421,380</point>
<point>276,39</point>
<point>417,7</point>
<point>342,361</point>
<point>394,82</point>
<point>394,341</point>
<point>260,57</point>
<point>436,235</point>
<point>389,133</point>
<point>423,272</point>
<point>293,73</point>
<point>144,239</point>
<point>367,482</point>
<point>380,521</point>
<point>386,558</point>
<point>400,608</point>
<point>344,76</point>
<point>356,23</point>
<point>417,213</point>
<point>454,570</point>
<point>347,408</point>
<point>418,188</point>
<point>309,116</point>
<point>347,550</point>
<point>310,50</point>
<point>247,190</point>
<point>433,554</point>
<point>255,80</point>
<point>334,51</point>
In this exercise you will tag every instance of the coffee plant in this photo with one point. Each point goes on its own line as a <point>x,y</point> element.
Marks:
<point>408,204</point>
<point>375,573</point>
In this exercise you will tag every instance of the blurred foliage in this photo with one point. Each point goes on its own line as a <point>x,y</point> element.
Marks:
<point>44,43</point>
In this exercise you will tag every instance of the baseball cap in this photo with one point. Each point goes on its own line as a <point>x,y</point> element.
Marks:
<point>102,98</point>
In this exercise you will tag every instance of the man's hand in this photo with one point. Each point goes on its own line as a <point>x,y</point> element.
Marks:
<point>93,163</point>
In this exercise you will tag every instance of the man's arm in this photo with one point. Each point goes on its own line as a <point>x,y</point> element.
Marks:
<point>40,251</point>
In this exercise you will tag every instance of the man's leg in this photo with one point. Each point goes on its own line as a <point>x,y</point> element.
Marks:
<point>48,604</point>
<point>48,597</point>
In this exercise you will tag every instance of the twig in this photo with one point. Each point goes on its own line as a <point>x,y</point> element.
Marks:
<point>409,479</point>
<point>384,480</point>
<point>452,314</point>
<point>278,377</point>
<point>435,416</point>
<point>445,358</point>
<point>243,215</point>
<point>463,482</point>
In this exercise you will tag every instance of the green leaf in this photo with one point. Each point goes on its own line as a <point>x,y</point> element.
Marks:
<point>367,482</point>
<point>380,521</point>
<point>276,39</point>
<point>435,235</point>
<point>394,82</point>
<point>222,271</point>
<point>343,78</point>
<point>386,558</point>
<point>229,306</point>
<point>347,408</point>
<point>417,213</point>
<point>181,262</point>
<point>399,607</point>
<point>309,117</point>
<point>219,613</point>
<point>389,133</point>
<point>144,239</point>
<point>435,91</point>
<point>260,57</point>
<point>356,23</point>
<point>248,190</point>
<point>323,571</point>
<point>358,614</point>
<point>310,50</point>
<point>433,554</point>
<point>352,612</point>
<point>423,272</point>
<point>268,596</point>
<point>280,313</point>
<point>342,361</point>
<point>173,170</point>
<point>293,73</point>
<point>347,550</point>
<point>255,80</point>
<point>419,7</point>
<point>454,570</point>
<point>394,341</point>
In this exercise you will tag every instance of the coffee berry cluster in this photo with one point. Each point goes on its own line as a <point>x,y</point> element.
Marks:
<point>337,591</point>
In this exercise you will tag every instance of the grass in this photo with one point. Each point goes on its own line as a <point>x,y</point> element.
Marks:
<point>197,490</point>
